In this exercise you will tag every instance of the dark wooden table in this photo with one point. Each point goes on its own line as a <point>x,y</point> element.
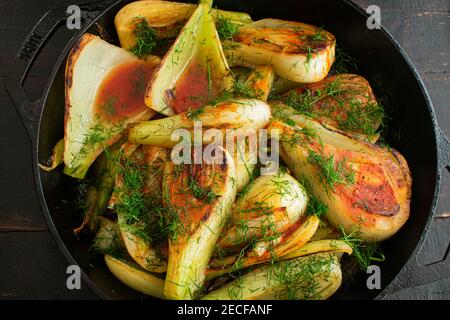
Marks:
<point>31,265</point>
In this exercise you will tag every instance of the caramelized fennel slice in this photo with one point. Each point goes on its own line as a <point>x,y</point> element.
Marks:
<point>271,206</point>
<point>198,197</point>
<point>88,126</point>
<point>316,276</point>
<point>56,158</point>
<point>100,191</point>
<point>108,238</point>
<point>166,18</point>
<point>343,101</point>
<point>194,71</point>
<point>367,188</point>
<point>142,252</point>
<point>292,239</point>
<point>142,248</point>
<point>135,277</point>
<point>233,114</point>
<point>297,51</point>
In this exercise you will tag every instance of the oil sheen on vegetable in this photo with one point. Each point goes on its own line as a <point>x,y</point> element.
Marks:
<point>121,93</point>
<point>193,89</point>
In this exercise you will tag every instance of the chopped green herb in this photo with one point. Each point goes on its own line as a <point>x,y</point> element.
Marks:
<point>318,36</point>
<point>364,119</point>
<point>226,28</point>
<point>330,171</point>
<point>352,114</point>
<point>344,63</point>
<point>132,202</point>
<point>299,277</point>
<point>193,114</point>
<point>146,38</point>
<point>364,253</point>
<point>299,136</point>
<point>109,106</point>
<point>315,206</point>
<point>205,194</point>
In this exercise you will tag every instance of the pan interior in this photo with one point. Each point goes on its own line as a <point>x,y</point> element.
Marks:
<point>410,131</point>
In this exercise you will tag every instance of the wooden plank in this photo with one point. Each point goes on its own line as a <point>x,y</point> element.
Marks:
<point>422,29</point>
<point>33,268</point>
<point>18,198</point>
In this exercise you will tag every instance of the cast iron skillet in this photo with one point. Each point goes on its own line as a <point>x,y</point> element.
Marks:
<point>383,63</point>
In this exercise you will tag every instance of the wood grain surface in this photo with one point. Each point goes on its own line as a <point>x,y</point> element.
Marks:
<point>32,267</point>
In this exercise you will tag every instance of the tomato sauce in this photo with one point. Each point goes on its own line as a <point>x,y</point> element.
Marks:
<point>192,90</point>
<point>121,93</point>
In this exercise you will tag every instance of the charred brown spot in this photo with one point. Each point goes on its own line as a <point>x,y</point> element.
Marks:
<point>302,40</point>
<point>195,189</point>
<point>71,60</point>
<point>373,193</point>
<point>333,99</point>
<point>69,80</point>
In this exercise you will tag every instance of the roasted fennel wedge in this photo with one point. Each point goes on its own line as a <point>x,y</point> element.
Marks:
<point>316,277</point>
<point>199,197</point>
<point>271,205</point>
<point>144,253</point>
<point>366,187</point>
<point>343,101</point>
<point>194,71</point>
<point>164,19</point>
<point>96,113</point>
<point>138,191</point>
<point>135,277</point>
<point>233,114</point>
<point>266,249</point>
<point>297,51</point>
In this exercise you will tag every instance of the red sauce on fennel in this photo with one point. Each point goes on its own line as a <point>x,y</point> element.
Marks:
<point>193,89</point>
<point>121,93</point>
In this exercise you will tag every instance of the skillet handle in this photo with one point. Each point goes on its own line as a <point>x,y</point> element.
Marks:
<point>29,111</point>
